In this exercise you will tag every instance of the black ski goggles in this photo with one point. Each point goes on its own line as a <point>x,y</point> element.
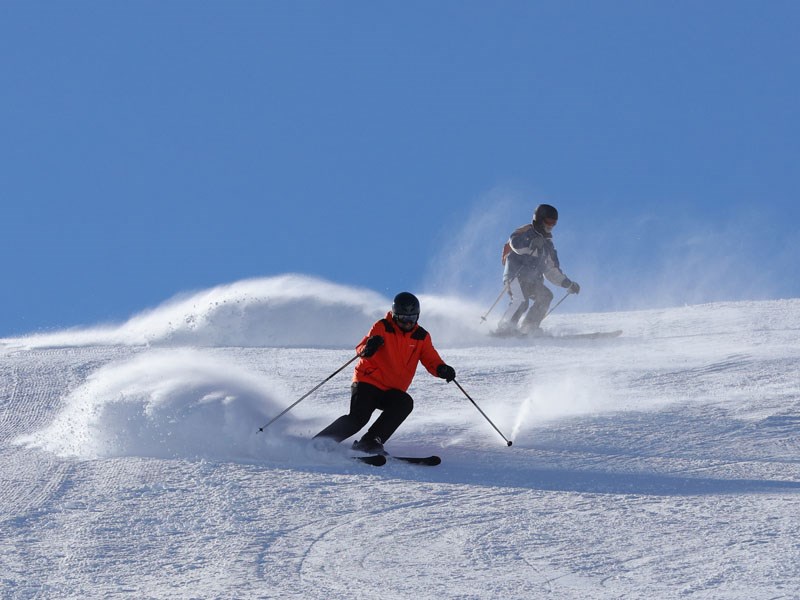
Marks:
<point>406,319</point>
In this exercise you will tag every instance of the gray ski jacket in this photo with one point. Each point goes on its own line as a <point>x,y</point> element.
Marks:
<point>532,256</point>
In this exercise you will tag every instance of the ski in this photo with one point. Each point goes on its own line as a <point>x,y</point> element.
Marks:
<point>594,335</point>
<point>427,461</point>
<point>513,333</point>
<point>376,460</point>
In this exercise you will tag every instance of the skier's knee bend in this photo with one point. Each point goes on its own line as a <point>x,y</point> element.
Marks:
<point>403,403</point>
<point>407,404</point>
<point>358,419</point>
<point>342,428</point>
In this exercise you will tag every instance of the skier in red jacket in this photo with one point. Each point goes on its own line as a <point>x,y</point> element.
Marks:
<point>389,355</point>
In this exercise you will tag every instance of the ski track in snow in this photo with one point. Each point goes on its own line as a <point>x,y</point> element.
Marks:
<point>665,463</point>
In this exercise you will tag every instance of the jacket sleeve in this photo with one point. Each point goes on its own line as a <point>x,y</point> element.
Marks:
<point>518,244</point>
<point>374,330</point>
<point>429,357</point>
<point>552,268</point>
<point>525,241</point>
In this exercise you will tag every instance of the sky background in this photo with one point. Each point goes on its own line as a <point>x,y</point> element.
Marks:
<point>149,149</point>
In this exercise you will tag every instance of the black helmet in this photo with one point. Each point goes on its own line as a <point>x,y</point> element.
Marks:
<point>544,211</point>
<point>405,304</point>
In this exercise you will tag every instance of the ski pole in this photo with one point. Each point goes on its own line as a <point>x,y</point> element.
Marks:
<point>502,293</point>
<point>508,441</point>
<point>262,428</point>
<point>556,306</point>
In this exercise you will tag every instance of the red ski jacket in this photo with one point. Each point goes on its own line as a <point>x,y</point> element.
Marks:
<point>394,364</point>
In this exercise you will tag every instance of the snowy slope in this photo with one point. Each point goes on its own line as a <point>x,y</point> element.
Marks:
<point>661,464</point>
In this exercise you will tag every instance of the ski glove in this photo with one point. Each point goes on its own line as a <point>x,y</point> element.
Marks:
<point>446,372</point>
<point>572,286</point>
<point>372,345</point>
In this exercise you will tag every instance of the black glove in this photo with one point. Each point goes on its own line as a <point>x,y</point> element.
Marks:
<point>446,372</point>
<point>572,286</point>
<point>372,345</point>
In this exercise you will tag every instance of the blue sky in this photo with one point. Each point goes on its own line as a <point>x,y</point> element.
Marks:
<point>154,148</point>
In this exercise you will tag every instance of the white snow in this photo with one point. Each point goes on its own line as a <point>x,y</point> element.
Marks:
<point>661,464</point>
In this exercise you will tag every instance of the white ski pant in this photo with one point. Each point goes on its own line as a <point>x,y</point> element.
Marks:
<point>516,304</point>
<point>520,299</point>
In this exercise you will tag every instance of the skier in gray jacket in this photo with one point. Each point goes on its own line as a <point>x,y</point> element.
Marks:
<point>530,256</point>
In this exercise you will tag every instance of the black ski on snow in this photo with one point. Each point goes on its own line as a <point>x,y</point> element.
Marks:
<point>376,460</point>
<point>427,461</point>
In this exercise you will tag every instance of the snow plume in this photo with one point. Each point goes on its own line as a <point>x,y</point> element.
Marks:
<point>696,261</point>
<point>468,263</point>
<point>283,311</point>
<point>167,404</point>
<point>558,395</point>
<point>286,310</point>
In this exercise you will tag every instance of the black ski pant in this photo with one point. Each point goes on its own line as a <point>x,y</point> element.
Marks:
<point>364,399</point>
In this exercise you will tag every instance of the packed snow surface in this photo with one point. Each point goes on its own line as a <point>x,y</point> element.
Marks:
<point>663,463</point>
